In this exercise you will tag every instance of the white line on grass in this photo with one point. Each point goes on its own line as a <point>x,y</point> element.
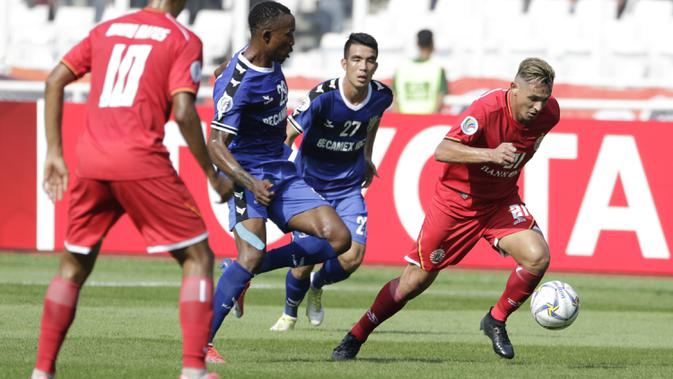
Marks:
<point>269,286</point>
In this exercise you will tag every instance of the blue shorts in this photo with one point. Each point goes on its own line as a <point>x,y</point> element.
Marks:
<point>292,197</point>
<point>353,212</point>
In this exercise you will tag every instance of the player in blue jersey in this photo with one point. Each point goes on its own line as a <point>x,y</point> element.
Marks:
<point>247,144</point>
<point>339,119</point>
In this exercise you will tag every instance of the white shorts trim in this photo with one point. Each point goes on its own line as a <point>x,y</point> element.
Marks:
<point>177,245</point>
<point>411,261</point>
<point>76,248</point>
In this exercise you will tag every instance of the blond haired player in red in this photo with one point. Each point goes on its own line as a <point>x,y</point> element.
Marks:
<point>142,65</point>
<point>477,196</point>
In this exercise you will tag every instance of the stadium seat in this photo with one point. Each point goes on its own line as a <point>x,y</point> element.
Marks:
<point>660,62</point>
<point>331,51</point>
<point>503,21</point>
<point>28,48</point>
<point>626,53</point>
<point>214,27</point>
<point>71,25</point>
<point>111,12</point>
<point>458,36</point>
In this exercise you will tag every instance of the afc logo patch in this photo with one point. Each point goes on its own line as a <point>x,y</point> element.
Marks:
<point>469,125</point>
<point>437,256</point>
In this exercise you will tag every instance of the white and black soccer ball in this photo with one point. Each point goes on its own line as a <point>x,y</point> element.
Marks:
<point>555,305</point>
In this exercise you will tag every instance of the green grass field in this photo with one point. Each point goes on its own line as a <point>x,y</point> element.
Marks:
<point>127,327</point>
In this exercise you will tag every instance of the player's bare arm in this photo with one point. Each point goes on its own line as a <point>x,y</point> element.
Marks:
<point>371,172</point>
<point>190,127</point>
<point>450,151</point>
<point>225,161</point>
<point>55,170</point>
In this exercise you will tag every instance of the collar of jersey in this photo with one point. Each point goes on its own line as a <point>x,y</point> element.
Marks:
<point>508,105</point>
<point>348,103</point>
<point>252,66</point>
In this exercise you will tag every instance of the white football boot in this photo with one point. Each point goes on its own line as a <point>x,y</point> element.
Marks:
<point>284,324</point>
<point>314,309</point>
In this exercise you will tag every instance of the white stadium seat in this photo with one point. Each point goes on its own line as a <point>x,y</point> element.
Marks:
<point>71,24</point>
<point>214,28</point>
<point>32,38</point>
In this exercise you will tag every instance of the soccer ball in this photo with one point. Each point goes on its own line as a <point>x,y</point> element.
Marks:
<point>555,305</point>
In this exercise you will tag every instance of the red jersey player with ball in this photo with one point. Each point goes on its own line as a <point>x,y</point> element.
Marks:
<point>477,196</point>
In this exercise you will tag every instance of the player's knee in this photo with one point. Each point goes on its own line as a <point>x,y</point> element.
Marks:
<point>351,260</point>
<point>250,260</point>
<point>72,271</point>
<point>338,236</point>
<point>302,272</point>
<point>199,255</point>
<point>537,260</point>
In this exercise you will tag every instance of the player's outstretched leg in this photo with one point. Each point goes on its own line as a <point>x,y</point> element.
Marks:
<point>390,300</point>
<point>520,285</point>
<point>60,304</point>
<point>238,308</point>
<point>295,290</point>
<point>530,251</point>
<point>234,280</point>
<point>332,271</point>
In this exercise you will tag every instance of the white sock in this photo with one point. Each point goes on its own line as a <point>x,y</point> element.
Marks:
<point>194,373</point>
<point>39,374</point>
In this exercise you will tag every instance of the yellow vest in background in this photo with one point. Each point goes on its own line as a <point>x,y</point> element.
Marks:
<point>417,86</point>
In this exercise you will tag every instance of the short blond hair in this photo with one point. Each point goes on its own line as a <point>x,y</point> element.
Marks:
<point>536,70</point>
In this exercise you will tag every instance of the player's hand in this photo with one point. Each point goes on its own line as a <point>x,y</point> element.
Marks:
<point>370,173</point>
<point>504,154</point>
<point>55,181</point>
<point>262,191</point>
<point>222,185</point>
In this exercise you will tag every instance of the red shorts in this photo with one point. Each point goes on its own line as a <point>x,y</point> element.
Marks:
<point>161,208</point>
<point>452,228</point>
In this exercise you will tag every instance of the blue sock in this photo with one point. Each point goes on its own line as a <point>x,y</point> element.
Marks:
<point>295,290</point>
<point>331,272</point>
<point>229,288</point>
<point>300,252</point>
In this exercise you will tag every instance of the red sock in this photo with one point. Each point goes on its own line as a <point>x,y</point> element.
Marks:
<point>520,285</point>
<point>60,303</point>
<point>385,306</point>
<point>196,312</point>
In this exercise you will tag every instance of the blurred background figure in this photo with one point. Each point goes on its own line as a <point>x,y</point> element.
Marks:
<point>419,85</point>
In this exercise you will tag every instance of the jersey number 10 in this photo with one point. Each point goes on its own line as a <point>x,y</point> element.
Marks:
<point>123,75</point>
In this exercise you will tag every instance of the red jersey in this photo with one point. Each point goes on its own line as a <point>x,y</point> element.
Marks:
<point>487,123</point>
<point>137,63</point>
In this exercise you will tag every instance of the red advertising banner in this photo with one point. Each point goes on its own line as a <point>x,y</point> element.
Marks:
<point>600,191</point>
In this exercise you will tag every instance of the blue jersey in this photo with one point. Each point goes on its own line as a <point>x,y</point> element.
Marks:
<point>251,104</point>
<point>331,157</point>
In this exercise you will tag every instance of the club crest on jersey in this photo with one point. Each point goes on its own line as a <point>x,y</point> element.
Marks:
<point>469,125</point>
<point>437,256</point>
<point>305,103</point>
<point>538,142</point>
<point>195,71</point>
<point>224,105</point>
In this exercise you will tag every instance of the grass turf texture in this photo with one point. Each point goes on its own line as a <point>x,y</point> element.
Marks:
<point>127,327</point>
